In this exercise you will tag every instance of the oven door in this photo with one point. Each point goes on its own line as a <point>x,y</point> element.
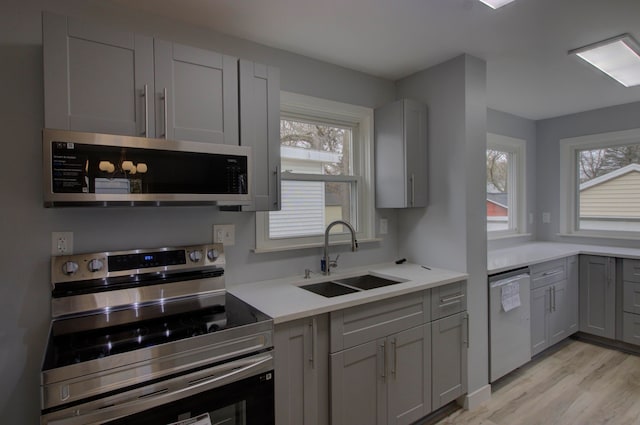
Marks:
<point>239,392</point>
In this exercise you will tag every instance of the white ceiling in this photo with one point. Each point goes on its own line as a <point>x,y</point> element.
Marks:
<point>525,43</point>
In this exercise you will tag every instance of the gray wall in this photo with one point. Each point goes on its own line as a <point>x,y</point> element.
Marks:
<point>26,226</point>
<point>450,233</point>
<point>549,134</point>
<point>519,128</point>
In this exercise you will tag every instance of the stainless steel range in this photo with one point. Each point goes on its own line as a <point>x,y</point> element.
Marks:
<point>152,337</point>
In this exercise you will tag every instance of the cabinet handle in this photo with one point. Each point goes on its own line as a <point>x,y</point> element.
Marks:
<point>145,95</point>
<point>312,355</point>
<point>466,322</point>
<point>395,356</point>
<point>278,183</point>
<point>166,111</point>
<point>551,273</point>
<point>384,361</point>
<point>413,189</point>
<point>554,298</point>
<point>448,300</point>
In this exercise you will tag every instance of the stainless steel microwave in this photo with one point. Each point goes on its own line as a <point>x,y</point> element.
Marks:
<point>101,169</point>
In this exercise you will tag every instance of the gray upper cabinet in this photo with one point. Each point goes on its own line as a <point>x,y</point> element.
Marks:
<point>597,295</point>
<point>196,93</point>
<point>260,129</point>
<point>401,154</point>
<point>302,372</point>
<point>96,78</point>
<point>102,80</point>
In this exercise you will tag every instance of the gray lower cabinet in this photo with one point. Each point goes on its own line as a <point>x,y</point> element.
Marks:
<point>302,372</point>
<point>597,295</point>
<point>450,342</point>
<point>386,381</point>
<point>96,78</point>
<point>554,296</point>
<point>631,301</point>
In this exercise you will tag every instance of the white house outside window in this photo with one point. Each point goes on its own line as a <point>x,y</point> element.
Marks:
<point>326,174</point>
<point>505,185</point>
<point>600,193</point>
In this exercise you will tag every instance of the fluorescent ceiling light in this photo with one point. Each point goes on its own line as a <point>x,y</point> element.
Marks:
<point>618,57</point>
<point>494,4</point>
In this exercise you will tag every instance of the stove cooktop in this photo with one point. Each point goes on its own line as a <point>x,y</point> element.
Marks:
<point>81,339</point>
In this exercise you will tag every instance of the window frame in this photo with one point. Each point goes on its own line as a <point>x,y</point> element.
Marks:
<point>299,106</point>
<point>516,179</point>
<point>569,193</point>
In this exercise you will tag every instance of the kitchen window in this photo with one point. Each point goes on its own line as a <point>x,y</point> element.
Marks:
<point>505,201</point>
<point>600,191</point>
<point>326,160</point>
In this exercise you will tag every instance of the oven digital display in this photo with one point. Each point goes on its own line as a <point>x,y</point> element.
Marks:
<point>145,260</point>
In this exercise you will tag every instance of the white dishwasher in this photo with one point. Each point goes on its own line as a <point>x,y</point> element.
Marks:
<point>509,322</point>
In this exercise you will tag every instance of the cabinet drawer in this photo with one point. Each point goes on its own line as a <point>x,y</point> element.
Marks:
<point>631,297</point>
<point>631,328</point>
<point>548,273</point>
<point>448,299</point>
<point>631,270</point>
<point>364,323</point>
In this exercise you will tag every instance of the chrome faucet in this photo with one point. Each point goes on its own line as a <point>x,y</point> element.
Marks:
<point>327,262</point>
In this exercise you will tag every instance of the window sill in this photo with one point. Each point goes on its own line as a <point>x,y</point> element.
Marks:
<point>632,237</point>
<point>507,236</point>
<point>312,245</point>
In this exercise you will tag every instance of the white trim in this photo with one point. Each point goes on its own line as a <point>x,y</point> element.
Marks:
<point>475,399</point>
<point>517,203</point>
<point>569,184</point>
<point>311,108</point>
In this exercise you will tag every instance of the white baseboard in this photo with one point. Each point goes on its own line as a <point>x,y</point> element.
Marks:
<point>475,399</point>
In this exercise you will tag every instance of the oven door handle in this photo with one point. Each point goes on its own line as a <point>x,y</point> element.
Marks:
<point>187,386</point>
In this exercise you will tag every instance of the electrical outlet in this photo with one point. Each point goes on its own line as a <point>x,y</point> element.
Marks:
<point>384,226</point>
<point>224,234</point>
<point>546,217</point>
<point>61,243</point>
<point>530,218</point>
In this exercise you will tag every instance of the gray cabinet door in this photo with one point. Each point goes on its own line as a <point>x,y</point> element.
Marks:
<point>401,154</point>
<point>449,343</point>
<point>540,306</point>
<point>631,328</point>
<point>558,313</point>
<point>597,295</point>
<point>260,129</point>
<point>572,295</point>
<point>95,78</point>
<point>358,385</point>
<point>302,372</point>
<point>409,384</point>
<point>196,94</point>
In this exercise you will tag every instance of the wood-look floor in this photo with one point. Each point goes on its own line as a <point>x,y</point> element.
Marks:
<point>579,383</point>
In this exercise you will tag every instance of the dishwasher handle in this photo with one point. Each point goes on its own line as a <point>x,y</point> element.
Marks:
<point>503,282</point>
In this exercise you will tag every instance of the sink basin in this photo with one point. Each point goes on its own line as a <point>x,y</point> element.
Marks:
<point>367,281</point>
<point>329,289</point>
<point>349,285</point>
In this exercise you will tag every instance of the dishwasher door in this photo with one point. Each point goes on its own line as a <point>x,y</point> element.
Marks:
<point>509,322</point>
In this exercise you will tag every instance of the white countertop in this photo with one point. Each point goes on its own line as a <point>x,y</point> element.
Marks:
<point>500,260</point>
<point>283,300</point>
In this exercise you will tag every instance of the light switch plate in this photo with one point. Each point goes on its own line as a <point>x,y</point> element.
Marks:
<point>224,234</point>
<point>384,226</point>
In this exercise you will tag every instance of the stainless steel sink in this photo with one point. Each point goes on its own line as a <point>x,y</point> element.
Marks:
<point>350,285</point>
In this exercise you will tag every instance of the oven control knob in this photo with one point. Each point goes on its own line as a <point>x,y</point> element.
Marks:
<point>95,265</point>
<point>212,254</point>
<point>69,268</point>
<point>195,256</point>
